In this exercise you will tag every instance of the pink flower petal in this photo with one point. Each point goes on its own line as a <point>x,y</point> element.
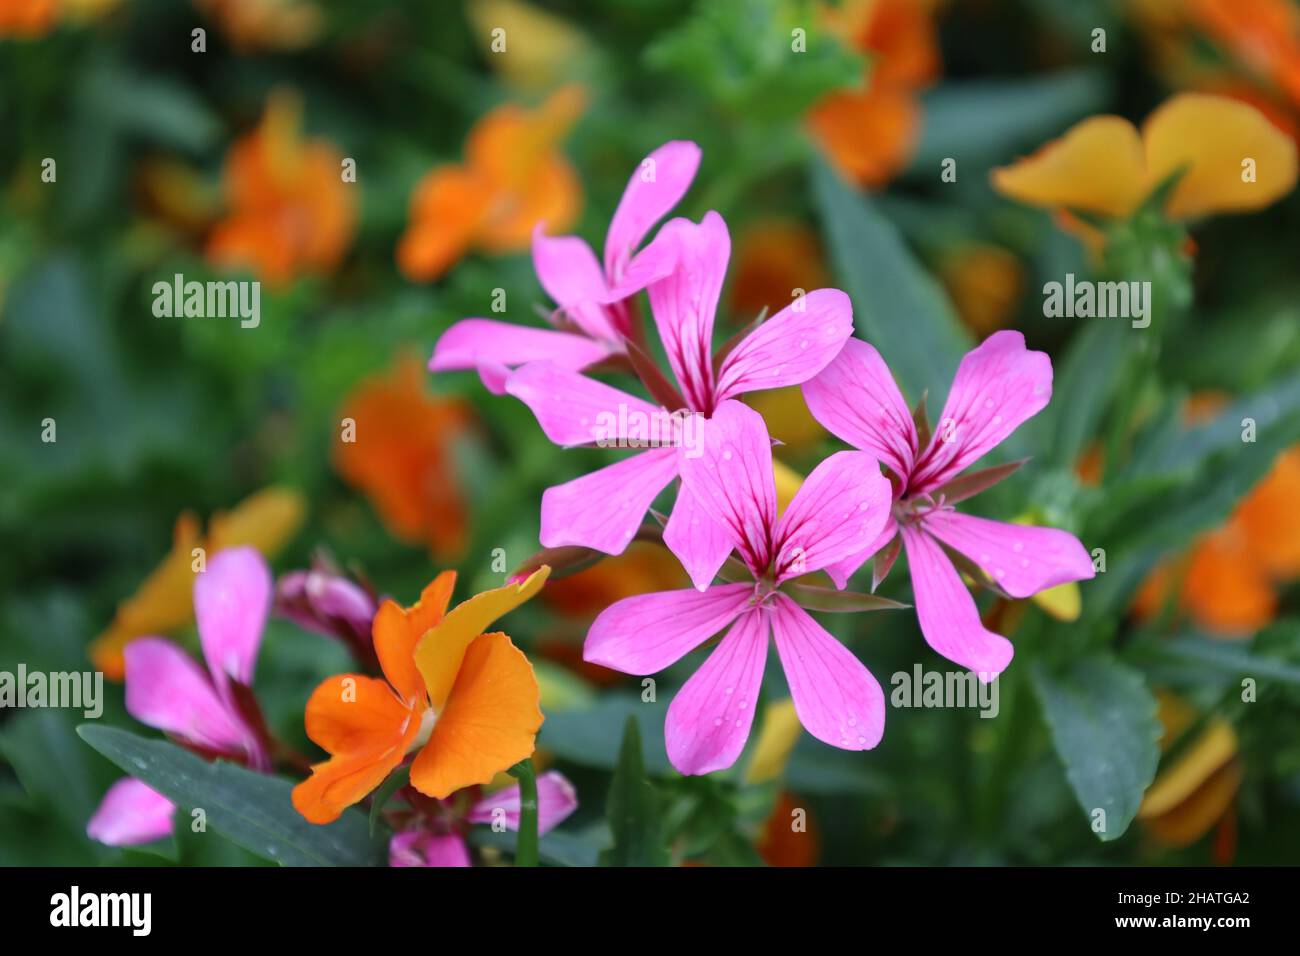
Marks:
<point>648,632</point>
<point>568,271</point>
<point>685,303</point>
<point>840,571</point>
<point>231,601</point>
<point>168,691</point>
<point>708,721</point>
<point>856,399</point>
<point>1022,560</point>
<point>576,410</point>
<point>556,799</point>
<point>998,385</point>
<point>604,509</point>
<point>421,848</point>
<point>789,348</point>
<point>493,348</point>
<point>732,480</point>
<point>130,814</point>
<point>835,696</point>
<point>700,543</point>
<point>655,187</point>
<point>949,619</point>
<point>839,509</point>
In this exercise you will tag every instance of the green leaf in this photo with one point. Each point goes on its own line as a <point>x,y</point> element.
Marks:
<point>252,809</point>
<point>985,121</point>
<point>897,305</point>
<point>1103,724</point>
<point>633,809</point>
<point>816,598</point>
<point>396,781</point>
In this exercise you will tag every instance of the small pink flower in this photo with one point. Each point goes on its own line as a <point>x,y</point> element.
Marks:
<point>998,386</point>
<point>206,711</point>
<point>591,299</point>
<point>326,603</point>
<point>438,843</point>
<point>603,510</point>
<point>843,504</point>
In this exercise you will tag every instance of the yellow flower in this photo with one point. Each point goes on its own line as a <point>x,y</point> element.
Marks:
<point>266,520</point>
<point>1231,158</point>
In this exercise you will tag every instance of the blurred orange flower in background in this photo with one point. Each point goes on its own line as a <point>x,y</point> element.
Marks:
<point>264,24</point>
<point>513,177</point>
<point>290,213</point>
<point>985,283</point>
<point>28,19</point>
<point>164,603</point>
<point>870,133</point>
<point>773,258</point>
<point>1228,582</point>
<point>396,448</point>
<point>1195,789</point>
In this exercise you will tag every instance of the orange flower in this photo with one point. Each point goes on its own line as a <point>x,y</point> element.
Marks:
<point>985,283</point>
<point>1103,166</point>
<point>1230,578</point>
<point>789,836</point>
<point>291,213</point>
<point>264,24</point>
<point>397,451</point>
<point>871,133</point>
<point>774,258</point>
<point>28,19</point>
<point>1263,35</point>
<point>513,177</point>
<point>266,520</point>
<point>465,700</point>
<point>1195,790</point>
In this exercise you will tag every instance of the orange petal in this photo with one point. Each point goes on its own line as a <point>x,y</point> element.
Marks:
<point>490,721</point>
<point>1227,590</point>
<point>1212,136</point>
<point>1192,819</point>
<point>1270,518</point>
<point>341,781</point>
<point>440,652</point>
<point>397,630</point>
<point>553,196</point>
<point>869,135</point>
<point>352,713</point>
<point>1097,166</point>
<point>511,143</point>
<point>447,208</point>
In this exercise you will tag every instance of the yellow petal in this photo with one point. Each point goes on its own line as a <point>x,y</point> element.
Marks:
<point>1189,821</point>
<point>1062,602</point>
<point>788,482</point>
<point>439,653</point>
<point>1200,761</point>
<point>776,739</point>
<point>1213,136</point>
<point>552,44</point>
<point>266,520</point>
<point>1097,166</point>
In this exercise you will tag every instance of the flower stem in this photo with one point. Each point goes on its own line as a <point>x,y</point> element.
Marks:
<point>526,848</point>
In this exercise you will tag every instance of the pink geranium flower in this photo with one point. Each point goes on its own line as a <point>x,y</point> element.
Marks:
<point>842,504</point>
<point>998,386</point>
<point>210,712</point>
<point>437,839</point>
<point>592,308</point>
<point>604,509</point>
